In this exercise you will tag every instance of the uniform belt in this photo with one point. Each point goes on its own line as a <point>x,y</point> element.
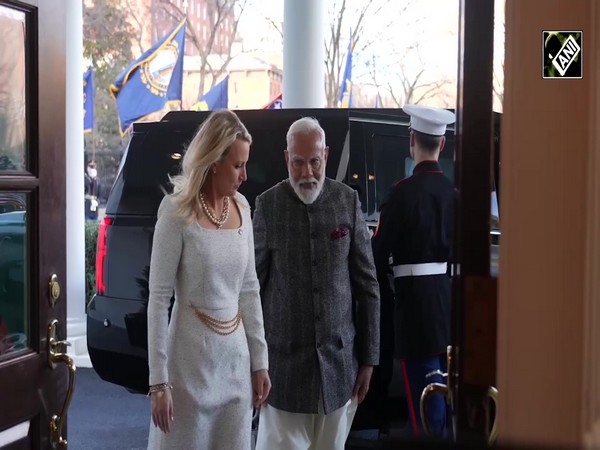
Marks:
<point>417,270</point>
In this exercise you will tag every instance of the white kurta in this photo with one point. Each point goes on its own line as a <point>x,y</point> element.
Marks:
<point>213,271</point>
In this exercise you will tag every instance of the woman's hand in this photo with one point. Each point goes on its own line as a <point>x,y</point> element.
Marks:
<point>261,385</point>
<point>162,409</point>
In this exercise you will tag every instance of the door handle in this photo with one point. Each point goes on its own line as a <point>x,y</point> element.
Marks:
<point>433,373</point>
<point>446,391</point>
<point>430,389</point>
<point>493,395</point>
<point>55,357</point>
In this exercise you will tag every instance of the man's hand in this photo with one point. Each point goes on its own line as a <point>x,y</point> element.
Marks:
<point>162,409</point>
<point>261,384</point>
<point>363,380</point>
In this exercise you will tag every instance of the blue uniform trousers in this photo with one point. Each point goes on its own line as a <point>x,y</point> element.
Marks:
<point>414,371</point>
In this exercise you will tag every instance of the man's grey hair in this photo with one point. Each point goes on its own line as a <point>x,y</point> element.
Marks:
<point>305,125</point>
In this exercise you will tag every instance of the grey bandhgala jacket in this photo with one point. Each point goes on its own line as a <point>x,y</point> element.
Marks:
<point>319,294</point>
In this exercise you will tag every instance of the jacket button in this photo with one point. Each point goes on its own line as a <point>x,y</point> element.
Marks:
<point>315,262</point>
<point>315,290</point>
<point>313,235</point>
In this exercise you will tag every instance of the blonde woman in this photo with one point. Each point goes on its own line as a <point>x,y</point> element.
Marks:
<point>208,365</point>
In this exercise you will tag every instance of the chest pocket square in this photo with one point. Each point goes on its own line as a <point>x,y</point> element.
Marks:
<point>339,233</point>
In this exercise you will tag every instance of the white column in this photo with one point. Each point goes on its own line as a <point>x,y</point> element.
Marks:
<point>304,54</point>
<point>76,319</point>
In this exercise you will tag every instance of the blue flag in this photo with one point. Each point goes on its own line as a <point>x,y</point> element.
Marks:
<point>346,86</point>
<point>216,98</point>
<point>152,80</point>
<point>88,101</point>
<point>276,103</point>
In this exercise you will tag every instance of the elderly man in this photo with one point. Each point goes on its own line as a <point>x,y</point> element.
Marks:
<point>320,300</point>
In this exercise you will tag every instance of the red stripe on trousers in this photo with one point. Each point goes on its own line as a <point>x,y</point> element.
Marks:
<point>411,405</point>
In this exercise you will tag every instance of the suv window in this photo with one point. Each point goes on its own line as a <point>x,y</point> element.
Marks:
<point>446,164</point>
<point>392,162</point>
<point>389,167</point>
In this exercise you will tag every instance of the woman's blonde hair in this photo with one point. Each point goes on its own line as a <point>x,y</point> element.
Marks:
<point>210,145</point>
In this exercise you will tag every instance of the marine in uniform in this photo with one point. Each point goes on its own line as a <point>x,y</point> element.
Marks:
<point>415,233</point>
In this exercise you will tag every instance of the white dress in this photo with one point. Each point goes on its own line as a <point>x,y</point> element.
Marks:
<point>213,271</point>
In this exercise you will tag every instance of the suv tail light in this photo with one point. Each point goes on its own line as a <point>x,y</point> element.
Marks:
<point>101,254</point>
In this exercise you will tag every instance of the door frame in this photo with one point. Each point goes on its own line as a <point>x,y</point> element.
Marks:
<point>34,390</point>
<point>474,303</point>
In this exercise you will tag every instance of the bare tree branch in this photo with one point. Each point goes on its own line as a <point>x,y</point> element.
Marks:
<point>218,11</point>
<point>228,56</point>
<point>498,76</point>
<point>397,101</point>
<point>140,21</point>
<point>409,86</point>
<point>431,89</point>
<point>335,56</point>
<point>333,61</point>
<point>278,26</point>
<point>498,84</point>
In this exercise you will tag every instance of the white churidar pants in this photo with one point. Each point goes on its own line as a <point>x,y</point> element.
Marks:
<point>282,430</point>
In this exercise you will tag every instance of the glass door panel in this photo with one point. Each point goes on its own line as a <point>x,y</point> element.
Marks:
<point>13,130</point>
<point>14,273</point>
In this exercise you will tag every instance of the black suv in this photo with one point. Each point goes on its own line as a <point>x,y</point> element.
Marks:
<point>369,150</point>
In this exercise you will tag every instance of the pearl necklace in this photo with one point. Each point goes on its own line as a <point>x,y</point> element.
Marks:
<point>210,213</point>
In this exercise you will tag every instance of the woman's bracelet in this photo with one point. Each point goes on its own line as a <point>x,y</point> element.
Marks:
<point>159,387</point>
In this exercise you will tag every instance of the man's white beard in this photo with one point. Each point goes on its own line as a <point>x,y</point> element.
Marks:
<point>308,195</point>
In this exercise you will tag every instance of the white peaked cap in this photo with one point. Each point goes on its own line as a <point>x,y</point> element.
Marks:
<point>429,120</point>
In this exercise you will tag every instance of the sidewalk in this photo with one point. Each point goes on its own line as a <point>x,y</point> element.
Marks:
<point>104,416</point>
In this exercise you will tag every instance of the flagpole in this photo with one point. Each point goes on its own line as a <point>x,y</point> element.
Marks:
<point>94,125</point>
<point>94,144</point>
<point>185,10</point>
<point>91,68</point>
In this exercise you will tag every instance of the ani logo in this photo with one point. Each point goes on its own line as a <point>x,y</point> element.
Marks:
<point>562,54</point>
<point>156,73</point>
